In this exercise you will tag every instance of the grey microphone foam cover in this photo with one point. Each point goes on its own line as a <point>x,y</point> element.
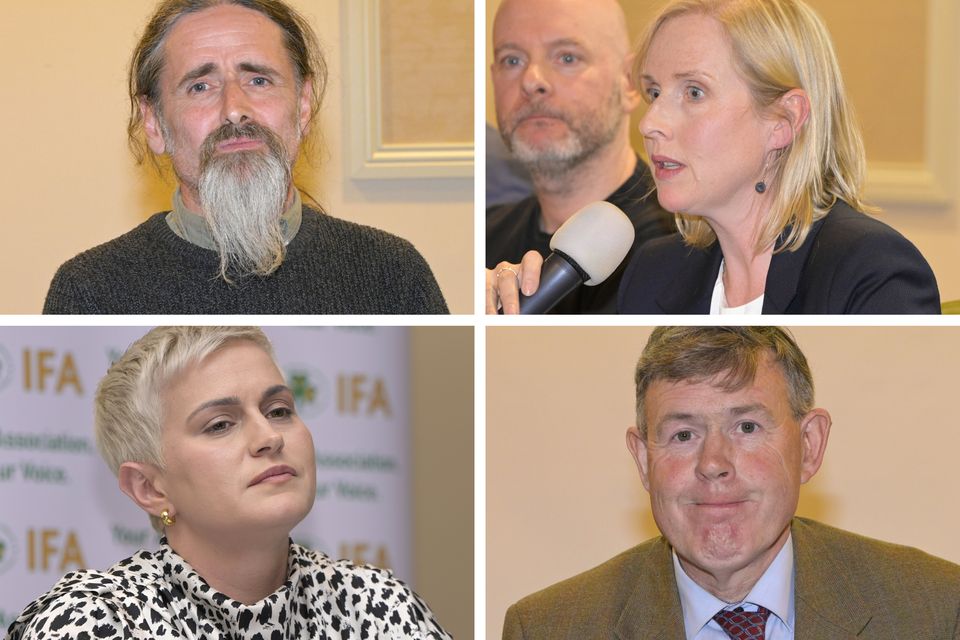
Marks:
<point>597,237</point>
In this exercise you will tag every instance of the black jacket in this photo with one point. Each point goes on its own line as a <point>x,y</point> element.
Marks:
<point>849,263</point>
<point>514,229</point>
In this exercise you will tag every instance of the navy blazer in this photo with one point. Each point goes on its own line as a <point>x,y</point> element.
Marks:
<point>849,263</point>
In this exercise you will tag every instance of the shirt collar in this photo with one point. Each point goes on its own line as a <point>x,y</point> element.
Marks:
<point>773,591</point>
<point>194,229</point>
<point>187,587</point>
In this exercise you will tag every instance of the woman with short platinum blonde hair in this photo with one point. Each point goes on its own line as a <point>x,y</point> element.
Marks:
<point>203,435</point>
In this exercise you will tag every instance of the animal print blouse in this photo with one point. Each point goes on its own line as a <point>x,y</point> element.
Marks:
<point>158,595</point>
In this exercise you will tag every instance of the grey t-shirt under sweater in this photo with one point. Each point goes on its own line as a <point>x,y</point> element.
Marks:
<point>332,267</point>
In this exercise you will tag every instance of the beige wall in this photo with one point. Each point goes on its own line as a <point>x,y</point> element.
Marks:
<point>442,418</point>
<point>427,56</point>
<point>69,182</point>
<point>563,493</point>
<point>882,46</point>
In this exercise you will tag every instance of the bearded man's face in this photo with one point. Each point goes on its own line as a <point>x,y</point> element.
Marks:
<point>231,116</point>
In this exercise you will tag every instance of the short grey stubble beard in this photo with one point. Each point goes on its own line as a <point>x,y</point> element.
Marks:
<point>585,138</point>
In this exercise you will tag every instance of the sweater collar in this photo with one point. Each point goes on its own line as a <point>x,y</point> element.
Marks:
<point>194,229</point>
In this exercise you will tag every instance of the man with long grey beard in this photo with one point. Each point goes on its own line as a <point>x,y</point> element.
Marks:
<point>227,90</point>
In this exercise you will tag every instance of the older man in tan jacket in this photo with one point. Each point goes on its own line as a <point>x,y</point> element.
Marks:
<point>726,433</point>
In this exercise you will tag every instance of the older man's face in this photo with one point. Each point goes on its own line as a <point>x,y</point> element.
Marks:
<point>559,79</point>
<point>724,469</point>
<point>226,64</point>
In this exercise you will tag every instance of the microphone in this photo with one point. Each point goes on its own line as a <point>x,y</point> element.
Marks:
<point>586,249</point>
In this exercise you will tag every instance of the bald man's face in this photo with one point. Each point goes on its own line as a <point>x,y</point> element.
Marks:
<point>560,79</point>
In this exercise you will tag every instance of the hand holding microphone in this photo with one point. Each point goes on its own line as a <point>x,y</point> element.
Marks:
<point>586,249</point>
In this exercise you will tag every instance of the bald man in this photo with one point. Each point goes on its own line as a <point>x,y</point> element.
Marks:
<point>561,78</point>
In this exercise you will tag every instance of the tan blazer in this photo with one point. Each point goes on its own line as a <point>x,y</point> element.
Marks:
<point>847,586</point>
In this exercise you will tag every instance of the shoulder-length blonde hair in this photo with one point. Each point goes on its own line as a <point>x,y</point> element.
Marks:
<point>779,45</point>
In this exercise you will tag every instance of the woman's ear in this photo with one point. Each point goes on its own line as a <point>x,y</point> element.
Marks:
<point>793,109</point>
<point>144,484</point>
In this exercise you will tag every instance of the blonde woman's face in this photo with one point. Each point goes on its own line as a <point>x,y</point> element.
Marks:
<point>238,457</point>
<point>704,137</point>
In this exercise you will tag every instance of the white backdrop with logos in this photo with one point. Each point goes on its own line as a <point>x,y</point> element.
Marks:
<point>61,509</point>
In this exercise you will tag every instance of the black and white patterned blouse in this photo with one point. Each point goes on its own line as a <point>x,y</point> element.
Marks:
<point>158,595</point>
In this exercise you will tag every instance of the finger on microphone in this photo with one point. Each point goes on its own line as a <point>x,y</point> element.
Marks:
<point>586,249</point>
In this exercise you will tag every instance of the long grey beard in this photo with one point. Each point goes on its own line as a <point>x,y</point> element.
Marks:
<point>242,195</point>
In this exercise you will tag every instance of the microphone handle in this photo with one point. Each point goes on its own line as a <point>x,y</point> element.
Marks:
<point>557,279</point>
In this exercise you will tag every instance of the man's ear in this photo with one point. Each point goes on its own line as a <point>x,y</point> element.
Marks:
<point>151,127</point>
<point>306,106</point>
<point>814,432</point>
<point>144,484</point>
<point>631,94</point>
<point>793,109</point>
<point>637,445</point>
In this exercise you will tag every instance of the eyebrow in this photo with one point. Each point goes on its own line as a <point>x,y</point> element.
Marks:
<point>747,408</point>
<point>234,401</point>
<point>209,67</point>
<point>682,75</point>
<point>196,73</point>
<point>565,42</point>
<point>261,69</point>
<point>559,42</point>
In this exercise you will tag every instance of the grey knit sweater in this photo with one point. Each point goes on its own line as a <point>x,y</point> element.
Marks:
<point>332,266</point>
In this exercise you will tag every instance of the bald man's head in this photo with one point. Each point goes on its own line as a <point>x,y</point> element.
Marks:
<point>561,81</point>
<point>600,19</point>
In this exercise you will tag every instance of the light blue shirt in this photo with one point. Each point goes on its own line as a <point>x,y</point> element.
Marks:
<point>773,591</point>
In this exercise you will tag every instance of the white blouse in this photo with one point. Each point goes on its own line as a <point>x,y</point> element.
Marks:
<point>718,303</point>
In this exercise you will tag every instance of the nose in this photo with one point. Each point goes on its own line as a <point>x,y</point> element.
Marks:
<point>654,123</point>
<point>265,439</point>
<point>236,107</point>
<point>535,82</point>
<point>715,461</point>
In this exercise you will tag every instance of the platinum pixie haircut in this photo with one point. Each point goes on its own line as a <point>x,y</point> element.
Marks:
<point>128,412</point>
<point>728,355</point>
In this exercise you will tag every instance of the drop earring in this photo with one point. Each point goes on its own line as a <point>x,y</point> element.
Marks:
<point>761,186</point>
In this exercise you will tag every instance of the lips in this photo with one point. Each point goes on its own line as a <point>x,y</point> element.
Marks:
<point>720,505</point>
<point>280,473</point>
<point>709,499</point>
<point>239,144</point>
<point>537,118</point>
<point>665,167</point>
<point>721,508</point>
<point>537,114</point>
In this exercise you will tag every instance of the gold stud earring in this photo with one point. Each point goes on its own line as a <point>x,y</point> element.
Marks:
<point>167,519</point>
